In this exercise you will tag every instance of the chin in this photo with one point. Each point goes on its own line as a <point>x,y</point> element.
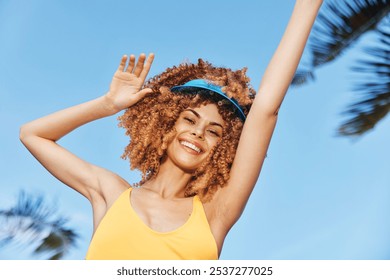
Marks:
<point>188,166</point>
<point>187,162</point>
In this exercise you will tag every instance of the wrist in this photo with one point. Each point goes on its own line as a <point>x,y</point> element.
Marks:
<point>108,105</point>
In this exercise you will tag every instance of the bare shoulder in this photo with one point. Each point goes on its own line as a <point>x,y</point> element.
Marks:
<point>111,185</point>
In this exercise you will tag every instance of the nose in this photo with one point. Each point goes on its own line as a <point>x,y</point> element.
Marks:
<point>198,133</point>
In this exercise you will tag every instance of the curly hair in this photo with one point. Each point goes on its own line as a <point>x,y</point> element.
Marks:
<point>150,123</point>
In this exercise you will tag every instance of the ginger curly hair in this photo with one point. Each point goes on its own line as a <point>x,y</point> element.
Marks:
<point>150,123</point>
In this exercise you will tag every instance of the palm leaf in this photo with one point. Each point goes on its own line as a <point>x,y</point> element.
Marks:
<point>374,87</point>
<point>31,220</point>
<point>339,24</point>
<point>57,241</point>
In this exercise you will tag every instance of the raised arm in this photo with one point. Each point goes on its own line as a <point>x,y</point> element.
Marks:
<point>40,136</point>
<point>261,121</point>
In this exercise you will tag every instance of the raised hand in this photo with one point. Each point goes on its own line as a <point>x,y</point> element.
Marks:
<point>40,136</point>
<point>125,88</point>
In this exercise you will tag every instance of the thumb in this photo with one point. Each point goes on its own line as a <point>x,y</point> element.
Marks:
<point>142,93</point>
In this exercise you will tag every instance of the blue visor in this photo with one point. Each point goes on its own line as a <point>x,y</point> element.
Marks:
<point>199,83</point>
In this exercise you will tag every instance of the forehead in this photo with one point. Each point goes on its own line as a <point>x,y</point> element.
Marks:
<point>208,112</point>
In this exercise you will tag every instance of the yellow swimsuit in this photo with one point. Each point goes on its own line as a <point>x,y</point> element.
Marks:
<point>122,235</point>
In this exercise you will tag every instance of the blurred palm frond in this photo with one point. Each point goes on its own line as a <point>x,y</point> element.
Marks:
<point>339,24</point>
<point>374,86</point>
<point>31,221</point>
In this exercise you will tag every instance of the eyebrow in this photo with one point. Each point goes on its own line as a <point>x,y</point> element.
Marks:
<point>196,114</point>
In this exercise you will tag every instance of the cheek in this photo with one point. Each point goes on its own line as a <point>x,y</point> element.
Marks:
<point>169,146</point>
<point>179,129</point>
<point>213,143</point>
<point>168,138</point>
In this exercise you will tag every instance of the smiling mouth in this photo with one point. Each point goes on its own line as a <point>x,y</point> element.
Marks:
<point>191,146</point>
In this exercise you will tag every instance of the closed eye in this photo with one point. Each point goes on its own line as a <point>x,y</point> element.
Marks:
<point>191,121</point>
<point>214,133</point>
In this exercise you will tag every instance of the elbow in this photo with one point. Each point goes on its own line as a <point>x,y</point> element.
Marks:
<point>276,112</point>
<point>267,107</point>
<point>269,112</point>
<point>24,133</point>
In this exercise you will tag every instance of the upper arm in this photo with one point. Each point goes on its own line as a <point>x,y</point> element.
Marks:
<point>251,152</point>
<point>73,171</point>
<point>259,126</point>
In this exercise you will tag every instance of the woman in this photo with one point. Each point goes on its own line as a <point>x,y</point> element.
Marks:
<point>185,126</point>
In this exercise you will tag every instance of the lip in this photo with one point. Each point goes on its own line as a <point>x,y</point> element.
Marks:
<point>196,144</point>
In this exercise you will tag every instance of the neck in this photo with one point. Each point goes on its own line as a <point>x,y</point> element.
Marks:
<point>170,182</point>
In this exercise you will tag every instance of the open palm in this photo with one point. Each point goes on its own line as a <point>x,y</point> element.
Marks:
<point>125,88</point>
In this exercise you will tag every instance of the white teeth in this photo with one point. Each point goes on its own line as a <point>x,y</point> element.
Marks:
<point>190,145</point>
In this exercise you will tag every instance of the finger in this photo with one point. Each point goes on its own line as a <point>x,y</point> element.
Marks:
<point>130,67</point>
<point>140,64</point>
<point>122,64</point>
<point>142,93</point>
<point>147,66</point>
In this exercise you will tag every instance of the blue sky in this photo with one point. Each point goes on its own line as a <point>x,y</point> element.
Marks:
<point>318,196</point>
